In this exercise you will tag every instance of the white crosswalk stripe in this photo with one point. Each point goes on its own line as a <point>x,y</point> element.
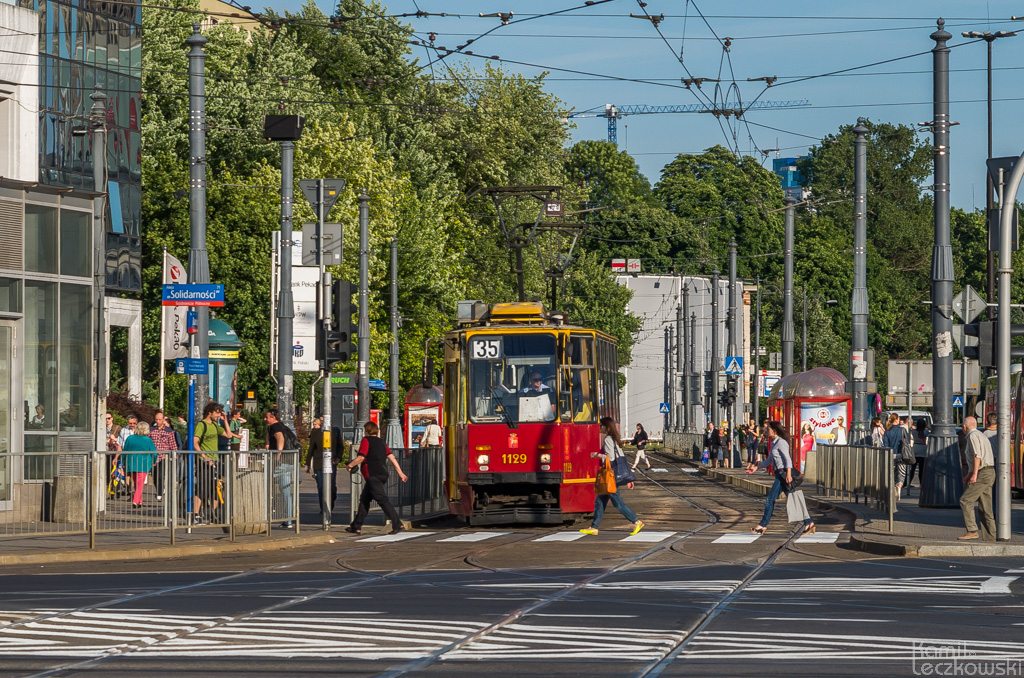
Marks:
<point>530,641</point>
<point>737,538</point>
<point>649,537</point>
<point>561,536</point>
<point>401,536</point>
<point>819,538</point>
<point>474,536</point>
<point>833,646</point>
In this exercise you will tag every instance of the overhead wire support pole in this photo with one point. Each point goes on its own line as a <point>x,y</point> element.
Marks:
<point>787,292</point>
<point>757,355</point>
<point>715,366</point>
<point>285,304</point>
<point>98,119</point>
<point>363,333</point>
<point>327,458</point>
<point>734,340</point>
<point>394,432</point>
<point>860,355</point>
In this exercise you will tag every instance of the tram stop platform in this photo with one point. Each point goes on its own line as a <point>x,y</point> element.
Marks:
<point>917,532</point>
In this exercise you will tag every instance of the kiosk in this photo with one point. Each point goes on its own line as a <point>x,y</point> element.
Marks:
<point>816,396</point>
<point>224,348</point>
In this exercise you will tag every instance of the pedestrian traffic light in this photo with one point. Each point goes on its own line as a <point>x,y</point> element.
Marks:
<point>987,350</point>
<point>337,342</point>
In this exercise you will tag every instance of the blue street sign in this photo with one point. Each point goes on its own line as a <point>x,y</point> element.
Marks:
<point>378,385</point>
<point>734,364</point>
<point>664,408</point>
<point>958,401</point>
<point>192,366</point>
<point>193,295</point>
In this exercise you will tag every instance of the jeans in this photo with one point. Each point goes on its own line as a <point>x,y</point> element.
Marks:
<point>601,502</point>
<point>773,495</point>
<point>320,490</point>
<point>283,476</point>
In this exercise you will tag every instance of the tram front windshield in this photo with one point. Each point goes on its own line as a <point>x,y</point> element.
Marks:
<point>512,378</point>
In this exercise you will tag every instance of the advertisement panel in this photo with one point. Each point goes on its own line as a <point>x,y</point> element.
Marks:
<point>823,418</point>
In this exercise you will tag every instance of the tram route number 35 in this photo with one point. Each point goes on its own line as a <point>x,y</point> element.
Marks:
<point>486,349</point>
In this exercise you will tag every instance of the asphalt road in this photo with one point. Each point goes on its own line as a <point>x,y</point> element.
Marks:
<point>693,595</point>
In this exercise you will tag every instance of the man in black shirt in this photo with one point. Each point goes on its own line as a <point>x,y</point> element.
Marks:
<point>374,456</point>
<point>315,461</point>
<point>276,440</point>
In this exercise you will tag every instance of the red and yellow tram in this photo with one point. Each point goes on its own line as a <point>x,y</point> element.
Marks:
<point>523,393</point>
<point>1016,423</point>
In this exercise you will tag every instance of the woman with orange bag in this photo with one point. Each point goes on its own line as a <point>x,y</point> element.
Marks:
<point>606,490</point>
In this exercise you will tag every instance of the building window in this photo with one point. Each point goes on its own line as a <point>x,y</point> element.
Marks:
<point>75,383</point>
<point>40,239</point>
<point>40,388</point>
<point>10,295</point>
<point>75,243</point>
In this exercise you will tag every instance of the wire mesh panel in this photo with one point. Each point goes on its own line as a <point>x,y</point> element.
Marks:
<point>202,482</point>
<point>44,493</point>
<point>283,487</point>
<point>423,494</point>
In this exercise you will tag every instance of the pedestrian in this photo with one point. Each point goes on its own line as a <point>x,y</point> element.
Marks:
<point>610,450</point>
<point>206,440</point>
<point>715,447</point>
<point>640,442</point>
<point>373,456</point>
<point>877,433</point>
<point>839,432</point>
<point>808,444</point>
<point>753,439</point>
<point>919,436</point>
<point>762,447</point>
<point>724,447</point>
<point>315,462</point>
<point>281,438</point>
<point>431,435</point>
<point>894,441</point>
<point>166,439</point>
<point>979,476</point>
<point>706,456</point>
<point>126,430</point>
<point>782,466</point>
<point>140,454</point>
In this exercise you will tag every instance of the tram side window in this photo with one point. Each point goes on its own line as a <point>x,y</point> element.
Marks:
<point>582,362</point>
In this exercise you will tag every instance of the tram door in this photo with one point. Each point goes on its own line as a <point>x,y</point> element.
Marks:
<point>6,438</point>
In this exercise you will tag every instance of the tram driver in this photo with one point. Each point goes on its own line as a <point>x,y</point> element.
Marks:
<point>536,385</point>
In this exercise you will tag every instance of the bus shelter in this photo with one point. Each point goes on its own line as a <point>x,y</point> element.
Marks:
<point>817,397</point>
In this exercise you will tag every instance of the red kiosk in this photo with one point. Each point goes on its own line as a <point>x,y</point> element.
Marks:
<point>816,396</point>
<point>421,405</point>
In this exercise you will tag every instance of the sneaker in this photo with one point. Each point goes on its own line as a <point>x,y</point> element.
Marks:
<point>589,530</point>
<point>198,520</point>
<point>287,524</point>
<point>159,497</point>
<point>639,525</point>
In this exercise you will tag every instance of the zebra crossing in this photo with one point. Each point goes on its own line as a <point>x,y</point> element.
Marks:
<point>643,537</point>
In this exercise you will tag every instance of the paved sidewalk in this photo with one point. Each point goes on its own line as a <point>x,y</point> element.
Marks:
<point>921,532</point>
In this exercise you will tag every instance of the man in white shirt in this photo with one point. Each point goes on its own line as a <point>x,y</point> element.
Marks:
<point>126,430</point>
<point>979,476</point>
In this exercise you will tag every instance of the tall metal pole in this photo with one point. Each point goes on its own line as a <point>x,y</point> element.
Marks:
<point>285,304</point>
<point>715,360</point>
<point>787,292</point>
<point>691,368</point>
<point>757,355</point>
<point>98,115</point>
<point>803,342</point>
<point>198,260</point>
<point>677,399</point>
<point>363,333</point>
<point>734,338</point>
<point>666,396</point>
<point>682,313</point>
<point>943,482</point>
<point>327,459</point>
<point>394,437</point>
<point>859,429</point>
<point>989,192</point>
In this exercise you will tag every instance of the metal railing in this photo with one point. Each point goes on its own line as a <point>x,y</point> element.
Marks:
<point>852,472</point>
<point>422,495</point>
<point>46,493</point>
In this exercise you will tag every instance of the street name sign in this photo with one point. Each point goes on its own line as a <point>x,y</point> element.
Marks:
<point>193,295</point>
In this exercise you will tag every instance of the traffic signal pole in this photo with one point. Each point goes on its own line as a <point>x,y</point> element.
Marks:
<point>327,460</point>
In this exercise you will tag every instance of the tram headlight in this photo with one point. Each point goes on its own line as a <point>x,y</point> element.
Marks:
<point>545,458</point>
<point>482,459</point>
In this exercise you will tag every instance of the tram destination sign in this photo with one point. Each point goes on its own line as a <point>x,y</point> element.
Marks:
<point>193,295</point>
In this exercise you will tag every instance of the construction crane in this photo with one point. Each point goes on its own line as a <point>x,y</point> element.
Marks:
<point>730,109</point>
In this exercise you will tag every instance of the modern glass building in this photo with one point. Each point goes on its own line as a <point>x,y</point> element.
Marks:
<point>54,251</point>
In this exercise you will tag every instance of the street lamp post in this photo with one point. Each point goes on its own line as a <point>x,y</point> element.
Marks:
<point>989,38</point>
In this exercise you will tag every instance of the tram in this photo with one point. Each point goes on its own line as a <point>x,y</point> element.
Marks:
<point>1016,423</point>
<point>523,393</point>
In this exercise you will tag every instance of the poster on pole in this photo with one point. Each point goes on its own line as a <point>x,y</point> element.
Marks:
<point>174,334</point>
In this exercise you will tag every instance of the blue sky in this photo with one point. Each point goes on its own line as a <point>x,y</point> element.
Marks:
<point>790,40</point>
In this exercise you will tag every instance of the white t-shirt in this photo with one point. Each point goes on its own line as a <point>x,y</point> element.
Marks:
<point>431,436</point>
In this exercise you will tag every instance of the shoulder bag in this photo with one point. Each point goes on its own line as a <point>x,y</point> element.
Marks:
<point>620,465</point>
<point>605,481</point>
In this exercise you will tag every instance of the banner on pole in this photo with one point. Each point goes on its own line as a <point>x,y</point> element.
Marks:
<point>174,332</point>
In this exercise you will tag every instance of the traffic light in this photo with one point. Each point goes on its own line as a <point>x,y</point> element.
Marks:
<point>731,390</point>
<point>986,352</point>
<point>337,343</point>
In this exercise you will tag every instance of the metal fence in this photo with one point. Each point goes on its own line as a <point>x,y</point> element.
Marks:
<point>852,472</point>
<point>95,492</point>
<point>422,495</point>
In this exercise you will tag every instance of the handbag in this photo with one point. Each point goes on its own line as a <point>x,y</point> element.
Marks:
<point>623,473</point>
<point>705,457</point>
<point>604,483</point>
<point>796,507</point>
<point>907,449</point>
<point>797,481</point>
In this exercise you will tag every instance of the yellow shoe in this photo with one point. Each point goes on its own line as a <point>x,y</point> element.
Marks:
<point>589,530</point>
<point>639,525</point>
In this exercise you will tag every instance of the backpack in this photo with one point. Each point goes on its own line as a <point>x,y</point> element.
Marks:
<point>907,448</point>
<point>291,441</point>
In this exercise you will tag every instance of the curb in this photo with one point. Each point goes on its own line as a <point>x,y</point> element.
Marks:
<point>935,550</point>
<point>165,551</point>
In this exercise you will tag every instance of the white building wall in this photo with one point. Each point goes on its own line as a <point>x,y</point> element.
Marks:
<point>19,93</point>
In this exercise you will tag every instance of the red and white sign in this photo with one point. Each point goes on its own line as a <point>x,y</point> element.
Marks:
<point>618,265</point>
<point>632,265</point>
<point>553,209</point>
<point>175,334</point>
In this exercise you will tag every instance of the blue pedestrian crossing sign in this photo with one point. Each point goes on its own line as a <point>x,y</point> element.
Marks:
<point>958,401</point>
<point>734,364</point>
<point>663,408</point>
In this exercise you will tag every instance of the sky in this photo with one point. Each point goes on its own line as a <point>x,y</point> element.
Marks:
<point>627,62</point>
